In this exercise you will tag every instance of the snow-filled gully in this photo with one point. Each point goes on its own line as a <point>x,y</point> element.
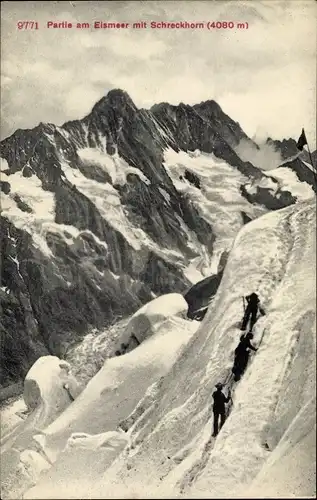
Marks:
<point>268,286</point>
<point>296,232</point>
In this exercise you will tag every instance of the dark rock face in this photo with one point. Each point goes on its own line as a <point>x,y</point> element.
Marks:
<point>162,276</point>
<point>94,172</point>
<point>197,127</point>
<point>313,158</point>
<point>92,271</point>
<point>147,209</point>
<point>265,197</point>
<point>229,130</point>
<point>21,204</point>
<point>5,187</point>
<point>245,218</point>
<point>27,172</point>
<point>286,147</point>
<point>192,178</point>
<point>21,336</point>
<point>289,151</point>
<point>199,296</point>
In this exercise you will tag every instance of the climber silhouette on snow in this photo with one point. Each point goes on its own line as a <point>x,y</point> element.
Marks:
<point>253,306</point>
<point>219,409</point>
<point>242,355</point>
<point>240,362</point>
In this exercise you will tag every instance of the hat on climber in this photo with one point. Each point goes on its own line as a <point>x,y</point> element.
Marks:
<point>219,385</point>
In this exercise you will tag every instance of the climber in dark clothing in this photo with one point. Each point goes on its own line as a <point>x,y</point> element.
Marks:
<point>242,355</point>
<point>219,407</point>
<point>245,343</point>
<point>251,311</point>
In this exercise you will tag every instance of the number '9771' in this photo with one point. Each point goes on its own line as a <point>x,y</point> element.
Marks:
<point>27,25</point>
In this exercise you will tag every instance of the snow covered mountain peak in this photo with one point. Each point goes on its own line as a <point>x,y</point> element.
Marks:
<point>107,211</point>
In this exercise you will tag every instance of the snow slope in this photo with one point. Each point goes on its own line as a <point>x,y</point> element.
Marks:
<point>219,200</point>
<point>170,450</point>
<point>118,386</point>
<point>289,180</point>
<point>12,414</point>
<point>292,465</point>
<point>149,318</point>
<point>45,398</point>
<point>40,202</point>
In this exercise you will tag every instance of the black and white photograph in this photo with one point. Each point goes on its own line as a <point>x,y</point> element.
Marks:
<point>158,189</point>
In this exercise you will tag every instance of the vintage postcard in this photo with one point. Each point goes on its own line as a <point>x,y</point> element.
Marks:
<point>158,257</point>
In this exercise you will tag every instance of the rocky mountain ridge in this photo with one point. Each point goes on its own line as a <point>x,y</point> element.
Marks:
<point>93,226</point>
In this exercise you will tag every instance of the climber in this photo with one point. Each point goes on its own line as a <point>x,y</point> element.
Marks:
<point>219,407</point>
<point>242,355</point>
<point>251,310</point>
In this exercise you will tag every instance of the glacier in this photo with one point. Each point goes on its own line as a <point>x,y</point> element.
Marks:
<point>141,428</point>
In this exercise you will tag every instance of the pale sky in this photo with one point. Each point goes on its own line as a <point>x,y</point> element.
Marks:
<point>263,77</point>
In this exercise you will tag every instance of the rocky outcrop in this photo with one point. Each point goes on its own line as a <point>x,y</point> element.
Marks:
<point>199,296</point>
<point>304,173</point>
<point>272,200</point>
<point>229,130</point>
<point>192,178</point>
<point>197,127</point>
<point>22,341</point>
<point>105,227</point>
<point>294,160</point>
<point>286,147</point>
<point>245,218</point>
<point>5,187</point>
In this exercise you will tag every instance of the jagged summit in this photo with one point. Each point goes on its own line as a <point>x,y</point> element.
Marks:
<point>209,103</point>
<point>287,147</point>
<point>116,99</point>
<point>118,94</point>
<point>161,105</point>
<point>22,132</point>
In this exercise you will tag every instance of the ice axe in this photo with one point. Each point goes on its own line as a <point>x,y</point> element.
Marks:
<point>243,302</point>
<point>230,396</point>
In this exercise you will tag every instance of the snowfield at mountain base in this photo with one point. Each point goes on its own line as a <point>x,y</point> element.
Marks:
<point>142,426</point>
<point>120,384</point>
